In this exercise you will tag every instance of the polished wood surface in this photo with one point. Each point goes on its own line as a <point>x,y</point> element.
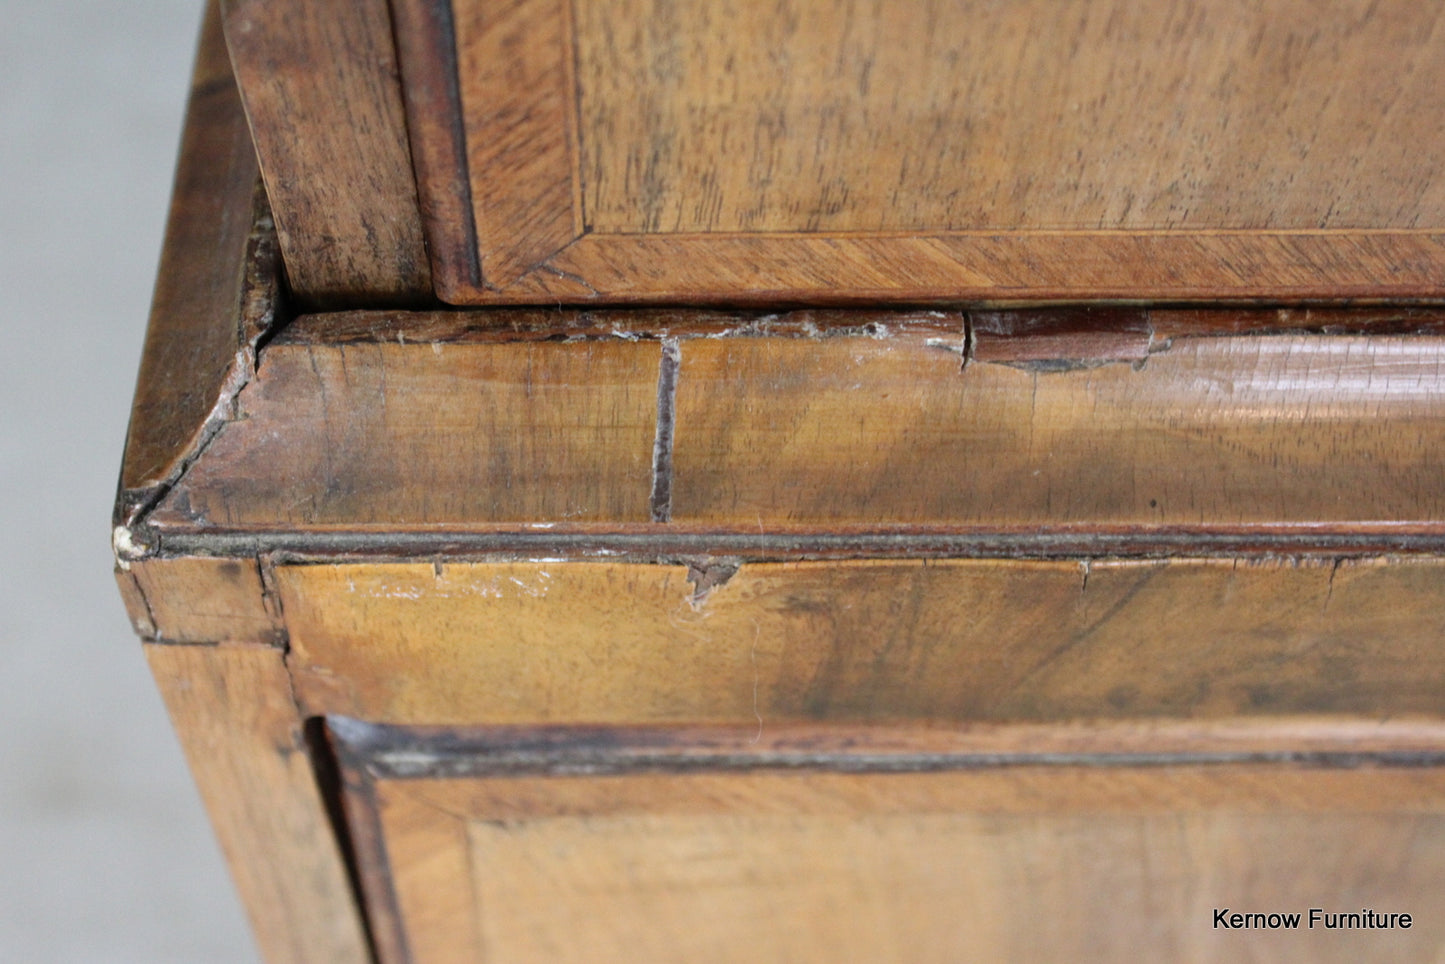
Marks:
<point>428,59</point>
<point>943,640</point>
<point>514,71</point>
<point>745,859</point>
<point>243,738</point>
<point>770,150</point>
<point>198,343</point>
<point>777,631</point>
<point>320,85</point>
<point>779,116</point>
<point>196,599</point>
<point>1223,431</point>
<point>787,885</point>
<point>434,433</point>
<point>1309,429</point>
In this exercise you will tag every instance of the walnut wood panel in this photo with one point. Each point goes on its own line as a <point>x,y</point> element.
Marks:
<point>962,640</point>
<point>204,600</point>
<point>242,734</point>
<point>769,150</point>
<point>319,80</point>
<point>993,268</point>
<point>1287,429</point>
<point>196,344</point>
<point>1121,422</point>
<point>990,267</point>
<point>775,115</point>
<point>1022,862</point>
<point>429,434</point>
<point>421,907</point>
<point>517,109</point>
<point>929,887</point>
<point>135,604</point>
<point>428,61</point>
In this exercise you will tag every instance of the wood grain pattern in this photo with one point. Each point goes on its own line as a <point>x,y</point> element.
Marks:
<point>319,80</point>
<point>766,150</point>
<point>216,252</point>
<point>517,92</point>
<point>991,268</point>
<point>427,56</point>
<point>206,600</point>
<point>134,600</point>
<point>1287,429</point>
<point>426,898</point>
<point>1158,423</point>
<point>432,434</point>
<point>1020,863</point>
<point>232,710</point>
<point>776,115</point>
<point>942,640</point>
<point>1358,320</point>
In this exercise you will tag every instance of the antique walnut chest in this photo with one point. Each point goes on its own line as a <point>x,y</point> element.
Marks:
<point>807,480</point>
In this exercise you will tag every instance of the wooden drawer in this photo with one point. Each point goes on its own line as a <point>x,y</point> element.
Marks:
<point>887,845</point>
<point>767,151</point>
<point>800,632</point>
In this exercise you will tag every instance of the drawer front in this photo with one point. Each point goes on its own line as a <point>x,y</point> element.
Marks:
<point>727,151</point>
<point>903,151</point>
<point>881,846</point>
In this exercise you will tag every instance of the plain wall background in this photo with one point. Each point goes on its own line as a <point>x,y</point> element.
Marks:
<point>105,853</point>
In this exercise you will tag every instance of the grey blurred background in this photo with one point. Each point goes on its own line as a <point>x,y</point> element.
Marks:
<point>105,854</point>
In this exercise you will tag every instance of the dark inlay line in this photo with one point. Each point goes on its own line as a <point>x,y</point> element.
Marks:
<point>403,753</point>
<point>662,445</point>
<point>646,546</point>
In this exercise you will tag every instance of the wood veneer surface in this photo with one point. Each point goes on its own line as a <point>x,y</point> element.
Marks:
<point>470,850</point>
<point>755,150</point>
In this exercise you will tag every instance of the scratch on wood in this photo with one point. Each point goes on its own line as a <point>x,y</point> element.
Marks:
<point>963,350</point>
<point>1085,633</point>
<point>271,600</point>
<point>1330,587</point>
<point>144,620</point>
<point>564,275</point>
